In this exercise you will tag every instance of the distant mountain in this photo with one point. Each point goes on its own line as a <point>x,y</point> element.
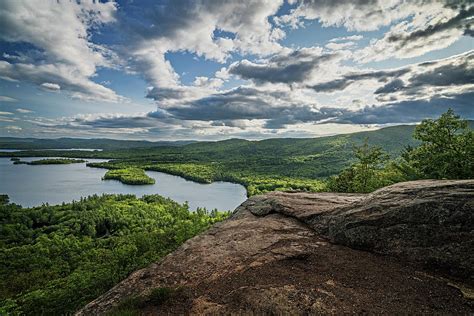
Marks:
<point>392,139</point>
<point>68,143</point>
<point>230,159</point>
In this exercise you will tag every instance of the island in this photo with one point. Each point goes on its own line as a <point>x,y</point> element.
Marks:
<point>134,176</point>
<point>50,161</point>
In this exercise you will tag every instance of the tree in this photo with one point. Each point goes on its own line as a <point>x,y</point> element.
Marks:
<point>4,199</point>
<point>363,175</point>
<point>446,150</point>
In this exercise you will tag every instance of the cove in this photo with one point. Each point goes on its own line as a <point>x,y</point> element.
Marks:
<point>34,185</point>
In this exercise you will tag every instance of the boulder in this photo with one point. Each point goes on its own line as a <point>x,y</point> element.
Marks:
<point>321,253</point>
<point>426,222</point>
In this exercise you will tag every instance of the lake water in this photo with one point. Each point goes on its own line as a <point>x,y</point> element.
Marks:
<point>33,185</point>
<point>53,149</point>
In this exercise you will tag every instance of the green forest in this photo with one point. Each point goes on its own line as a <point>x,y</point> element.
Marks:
<point>360,162</point>
<point>55,259</point>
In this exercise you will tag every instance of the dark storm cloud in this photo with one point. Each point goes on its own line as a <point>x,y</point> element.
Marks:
<point>291,68</point>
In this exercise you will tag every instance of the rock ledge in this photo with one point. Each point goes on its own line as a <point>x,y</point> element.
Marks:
<point>407,247</point>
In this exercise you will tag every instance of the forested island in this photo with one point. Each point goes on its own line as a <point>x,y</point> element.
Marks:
<point>133,176</point>
<point>56,161</point>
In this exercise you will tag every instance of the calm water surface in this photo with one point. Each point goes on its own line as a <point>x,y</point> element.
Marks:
<point>33,185</point>
<point>53,149</point>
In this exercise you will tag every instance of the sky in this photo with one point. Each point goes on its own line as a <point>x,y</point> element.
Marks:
<point>218,69</point>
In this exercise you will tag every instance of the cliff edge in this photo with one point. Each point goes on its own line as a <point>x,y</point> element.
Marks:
<point>405,248</point>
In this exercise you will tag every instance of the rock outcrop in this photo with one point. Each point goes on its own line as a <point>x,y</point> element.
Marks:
<point>406,248</point>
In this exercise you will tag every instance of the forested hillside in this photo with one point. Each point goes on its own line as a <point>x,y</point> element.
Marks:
<point>261,166</point>
<point>54,259</point>
<point>266,165</point>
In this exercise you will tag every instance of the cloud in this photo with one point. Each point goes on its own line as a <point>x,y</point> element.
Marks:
<point>50,86</point>
<point>296,66</point>
<point>460,21</point>
<point>434,25</point>
<point>191,26</point>
<point>6,113</point>
<point>6,119</point>
<point>24,111</point>
<point>391,87</point>
<point>4,98</point>
<point>417,26</point>
<point>205,82</point>
<point>346,38</point>
<point>348,79</point>
<point>59,32</point>
<point>357,15</point>
<point>262,86</point>
<point>12,128</point>
<point>453,75</point>
<point>338,46</point>
<point>409,111</point>
<point>277,108</point>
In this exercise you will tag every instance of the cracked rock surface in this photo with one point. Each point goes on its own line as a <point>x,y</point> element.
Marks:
<point>407,248</point>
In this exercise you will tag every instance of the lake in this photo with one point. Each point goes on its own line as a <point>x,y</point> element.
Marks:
<point>53,149</point>
<point>33,185</point>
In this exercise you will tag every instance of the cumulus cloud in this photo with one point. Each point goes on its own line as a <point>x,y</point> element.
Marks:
<point>435,25</point>
<point>24,111</point>
<point>59,31</point>
<point>454,75</point>
<point>348,79</point>
<point>262,86</point>
<point>337,46</point>
<point>13,128</point>
<point>296,66</point>
<point>191,26</point>
<point>50,86</point>
<point>351,38</point>
<point>4,98</point>
<point>419,26</point>
<point>357,15</point>
<point>405,96</point>
<point>206,82</point>
<point>411,111</point>
<point>450,76</point>
<point>462,20</point>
